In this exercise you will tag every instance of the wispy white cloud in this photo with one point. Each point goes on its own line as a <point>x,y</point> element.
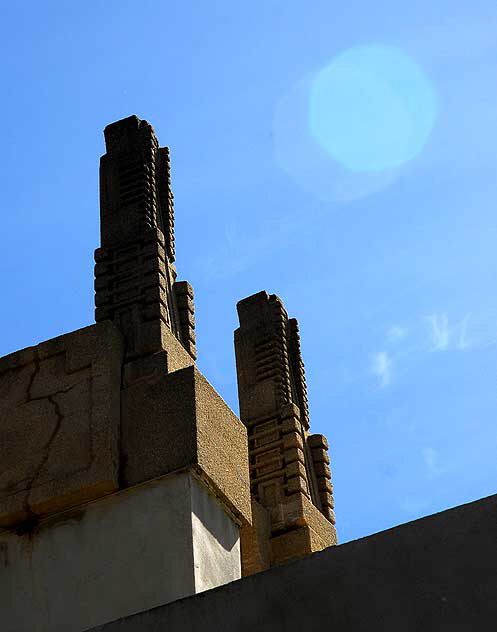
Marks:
<point>422,335</point>
<point>412,339</point>
<point>439,331</point>
<point>443,337</point>
<point>381,367</point>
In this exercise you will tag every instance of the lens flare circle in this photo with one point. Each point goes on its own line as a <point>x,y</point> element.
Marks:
<point>372,108</point>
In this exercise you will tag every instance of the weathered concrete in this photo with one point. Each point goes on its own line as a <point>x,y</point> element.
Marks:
<point>125,553</point>
<point>289,473</point>
<point>135,276</point>
<point>71,434</point>
<point>435,574</point>
<point>59,423</point>
<point>179,421</point>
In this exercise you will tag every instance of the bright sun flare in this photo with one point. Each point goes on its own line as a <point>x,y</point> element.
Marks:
<point>372,108</point>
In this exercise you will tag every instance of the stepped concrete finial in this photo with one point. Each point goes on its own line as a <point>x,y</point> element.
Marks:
<point>289,470</point>
<point>135,277</point>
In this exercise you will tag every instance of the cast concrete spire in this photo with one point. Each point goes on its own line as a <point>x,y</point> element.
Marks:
<point>289,471</point>
<point>135,282</point>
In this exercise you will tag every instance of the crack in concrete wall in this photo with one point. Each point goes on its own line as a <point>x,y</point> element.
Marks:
<point>46,455</point>
<point>36,362</point>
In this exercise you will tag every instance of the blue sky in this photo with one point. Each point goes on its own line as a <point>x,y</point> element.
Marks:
<point>365,199</point>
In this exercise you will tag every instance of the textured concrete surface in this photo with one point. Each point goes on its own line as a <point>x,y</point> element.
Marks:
<point>177,356</point>
<point>59,423</point>
<point>434,574</point>
<point>289,468</point>
<point>135,276</point>
<point>310,531</point>
<point>179,421</point>
<point>128,552</point>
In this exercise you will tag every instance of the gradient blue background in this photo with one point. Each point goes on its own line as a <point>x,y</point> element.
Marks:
<point>392,277</point>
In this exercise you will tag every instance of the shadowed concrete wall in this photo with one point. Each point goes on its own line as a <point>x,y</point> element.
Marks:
<point>435,574</point>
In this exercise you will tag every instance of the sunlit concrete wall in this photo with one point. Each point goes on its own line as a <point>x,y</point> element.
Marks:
<point>122,554</point>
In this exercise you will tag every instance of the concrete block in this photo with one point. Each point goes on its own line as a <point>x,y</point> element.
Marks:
<point>125,553</point>
<point>59,422</point>
<point>177,356</point>
<point>180,422</point>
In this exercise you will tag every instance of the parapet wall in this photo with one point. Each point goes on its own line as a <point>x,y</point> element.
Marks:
<point>71,433</point>
<point>437,574</point>
<point>59,423</point>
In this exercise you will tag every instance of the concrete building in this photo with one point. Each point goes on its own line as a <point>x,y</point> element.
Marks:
<point>127,484</point>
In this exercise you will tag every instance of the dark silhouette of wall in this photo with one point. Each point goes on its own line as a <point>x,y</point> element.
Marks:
<point>436,574</point>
